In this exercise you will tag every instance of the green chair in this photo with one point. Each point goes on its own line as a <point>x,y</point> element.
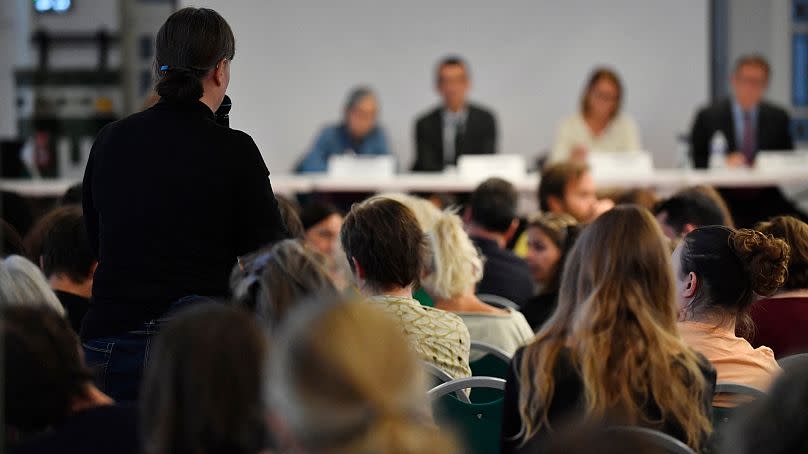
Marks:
<point>423,297</point>
<point>787,362</point>
<point>723,415</point>
<point>476,424</point>
<point>494,363</point>
<point>437,376</point>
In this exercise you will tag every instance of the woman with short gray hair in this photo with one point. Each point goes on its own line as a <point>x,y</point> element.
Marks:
<point>22,282</point>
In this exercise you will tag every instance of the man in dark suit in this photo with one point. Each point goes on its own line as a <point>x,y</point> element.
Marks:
<point>748,123</point>
<point>455,128</point>
<point>491,222</point>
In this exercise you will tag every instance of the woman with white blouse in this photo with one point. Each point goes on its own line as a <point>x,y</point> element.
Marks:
<point>599,126</point>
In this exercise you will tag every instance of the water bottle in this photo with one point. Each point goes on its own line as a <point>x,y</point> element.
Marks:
<point>718,150</point>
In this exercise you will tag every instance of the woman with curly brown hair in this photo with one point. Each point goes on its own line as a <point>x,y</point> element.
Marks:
<point>718,272</point>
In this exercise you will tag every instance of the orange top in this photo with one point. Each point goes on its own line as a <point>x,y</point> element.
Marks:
<point>733,357</point>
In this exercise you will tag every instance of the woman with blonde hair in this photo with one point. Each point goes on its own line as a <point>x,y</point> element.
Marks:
<point>454,267</point>
<point>343,380</point>
<point>611,352</point>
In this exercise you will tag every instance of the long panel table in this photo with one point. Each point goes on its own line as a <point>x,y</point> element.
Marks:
<point>663,180</point>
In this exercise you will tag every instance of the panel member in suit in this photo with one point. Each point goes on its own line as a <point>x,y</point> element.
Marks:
<point>748,123</point>
<point>455,128</point>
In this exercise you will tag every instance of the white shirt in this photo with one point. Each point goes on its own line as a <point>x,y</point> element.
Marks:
<point>507,332</point>
<point>621,134</point>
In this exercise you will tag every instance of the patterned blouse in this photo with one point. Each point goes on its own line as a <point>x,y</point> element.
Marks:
<point>436,336</point>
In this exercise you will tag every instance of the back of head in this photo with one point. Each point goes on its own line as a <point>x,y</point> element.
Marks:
<point>732,266</point>
<point>273,281</point>
<point>776,424</point>
<point>385,239</point>
<point>690,207</point>
<point>22,283</point>
<point>345,381</point>
<point>617,311</point>
<point>44,370</point>
<point>493,205</point>
<point>190,43</point>
<point>795,233</point>
<point>425,211</point>
<point>36,237</point>
<point>290,217</point>
<point>66,247</point>
<point>555,178</point>
<point>202,386</point>
<point>11,243</point>
<point>454,265</point>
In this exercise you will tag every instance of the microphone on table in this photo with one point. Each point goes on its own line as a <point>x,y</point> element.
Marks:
<point>223,112</point>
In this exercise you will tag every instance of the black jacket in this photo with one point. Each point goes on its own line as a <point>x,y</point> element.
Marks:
<point>480,137</point>
<point>504,273</point>
<point>773,130</point>
<point>171,199</point>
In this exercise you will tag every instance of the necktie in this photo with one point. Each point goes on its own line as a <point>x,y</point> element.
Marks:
<point>748,144</point>
<point>458,139</point>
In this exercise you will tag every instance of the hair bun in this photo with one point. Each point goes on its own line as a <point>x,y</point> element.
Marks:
<point>764,257</point>
<point>180,84</point>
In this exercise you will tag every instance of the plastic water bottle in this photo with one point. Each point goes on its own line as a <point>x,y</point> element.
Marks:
<point>718,150</point>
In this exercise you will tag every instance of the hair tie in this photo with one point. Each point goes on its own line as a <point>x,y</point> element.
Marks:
<point>164,68</point>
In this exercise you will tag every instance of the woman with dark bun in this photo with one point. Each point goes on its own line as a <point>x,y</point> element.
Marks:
<point>719,271</point>
<point>171,199</point>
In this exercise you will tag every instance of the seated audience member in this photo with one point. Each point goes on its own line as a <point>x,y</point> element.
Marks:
<point>454,267</point>
<point>610,353</point>
<point>569,188</point>
<point>776,424</point>
<point>12,242</point>
<point>272,281</point>
<point>289,213</point>
<point>358,133</point>
<point>50,400</point>
<point>643,197</point>
<point>550,239</point>
<point>599,126</point>
<point>686,211</point>
<point>491,222</point>
<point>748,123</point>
<point>718,272</point>
<point>69,264</point>
<point>22,283</point>
<point>781,321</point>
<point>203,384</point>
<point>343,380</point>
<point>36,236</point>
<point>386,247</point>
<point>72,196</point>
<point>321,225</point>
<point>457,126</point>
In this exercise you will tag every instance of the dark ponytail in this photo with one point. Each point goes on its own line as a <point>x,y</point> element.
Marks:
<point>189,44</point>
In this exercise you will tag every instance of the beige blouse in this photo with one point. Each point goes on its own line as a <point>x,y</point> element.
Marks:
<point>508,331</point>
<point>620,135</point>
<point>436,336</point>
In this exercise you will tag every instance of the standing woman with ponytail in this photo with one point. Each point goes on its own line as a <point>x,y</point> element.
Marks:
<point>171,199</point>
<point>719,271</point>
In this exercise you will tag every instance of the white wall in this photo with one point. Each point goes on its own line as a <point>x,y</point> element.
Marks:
<point>295,61</point>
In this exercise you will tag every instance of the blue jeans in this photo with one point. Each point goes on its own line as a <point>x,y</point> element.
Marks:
<point>118,362</point>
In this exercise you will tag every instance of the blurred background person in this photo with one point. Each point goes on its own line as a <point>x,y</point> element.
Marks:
<point>599,125</point>
<point>550,239</point>
<point>202,390</point>
<point>69,264</point>
<point>454,267</point>
<point>457,126</point>
<point>379,402</point>
<point>358,133</point>
<point>781,319</point>
<point>568,187</point>
<point>718,272</point>
<point>22,283</point>
<point>273,280</point>
<point>322,222</point>
<point>492,221</point>
<point>686,211</point>
<point>747,122</point>
<point>51,403</point>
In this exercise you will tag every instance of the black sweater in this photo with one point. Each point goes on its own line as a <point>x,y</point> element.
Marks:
<point>171,199</point>
<point>568,405</point>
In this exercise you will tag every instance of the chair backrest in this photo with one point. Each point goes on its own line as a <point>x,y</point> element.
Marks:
<point>498,301</point>
<point>788,362</point>
<point>738,389</point>
<point>494,362</point>
<point>438,377</point>
<point>742,394</point>
<point>657,438</point>
<point>477,425</point>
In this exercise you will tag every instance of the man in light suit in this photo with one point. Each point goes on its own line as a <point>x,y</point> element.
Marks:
<point>455,128</point>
